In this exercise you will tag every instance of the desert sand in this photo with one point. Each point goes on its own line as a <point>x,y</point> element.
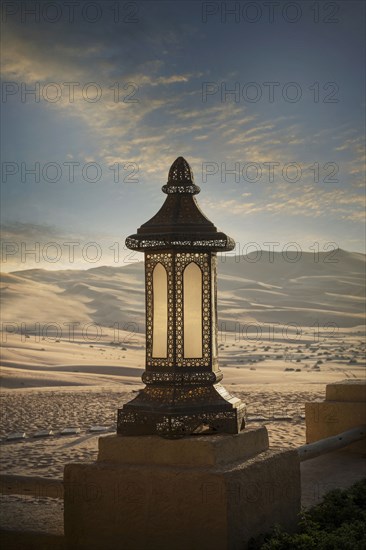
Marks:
<point>73,348</point>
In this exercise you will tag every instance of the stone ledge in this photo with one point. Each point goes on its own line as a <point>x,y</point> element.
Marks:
<point>194,451</point>
<point>109,505</point>
<point>31,541</point>
<point>346,390</point>
<point>332,417</point>
<point>329,418</point>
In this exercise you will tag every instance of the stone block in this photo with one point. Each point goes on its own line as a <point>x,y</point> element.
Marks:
<point>189,451</point>
<point>346,390</point>
<point>344,408</point>
<point>206,498</point>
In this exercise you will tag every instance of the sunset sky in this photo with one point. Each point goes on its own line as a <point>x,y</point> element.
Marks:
<point>299,73</point>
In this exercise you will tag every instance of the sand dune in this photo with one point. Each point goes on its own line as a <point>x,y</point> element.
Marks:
<point>272,289</point>
<point>305,292</point>
<point>73,347</point>
<point>92,322</point>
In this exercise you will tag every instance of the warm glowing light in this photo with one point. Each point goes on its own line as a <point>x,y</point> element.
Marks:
<point>192,313</point>
<point>160,312</point>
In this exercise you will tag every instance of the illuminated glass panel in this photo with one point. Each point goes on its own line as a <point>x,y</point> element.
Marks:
<point>192,311</point>
<point>214,312</point>
<point>160,312</point>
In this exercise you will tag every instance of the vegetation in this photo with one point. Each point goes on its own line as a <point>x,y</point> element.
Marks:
<point>338,522</point>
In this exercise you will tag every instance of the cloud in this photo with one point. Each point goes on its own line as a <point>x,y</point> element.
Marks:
<point>145,80</point>
<point>34,246</point>
<point>170,119</point>
<point>201,138</point>
<point>311,202</point>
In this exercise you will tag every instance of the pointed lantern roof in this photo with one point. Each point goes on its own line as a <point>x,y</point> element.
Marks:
<point>180,223</point>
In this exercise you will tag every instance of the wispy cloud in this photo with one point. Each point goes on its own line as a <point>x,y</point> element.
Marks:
<point>310,202</point>
<point>152,63</point>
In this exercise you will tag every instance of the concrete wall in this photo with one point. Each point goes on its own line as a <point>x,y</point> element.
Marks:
<point>344,407</point>
<point>204,492</point>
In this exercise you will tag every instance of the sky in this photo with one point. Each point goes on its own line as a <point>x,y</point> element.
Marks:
<point>265,100</point>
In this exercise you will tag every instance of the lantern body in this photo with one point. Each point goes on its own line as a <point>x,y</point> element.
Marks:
<point>182,394</point>
<point>180,310</point>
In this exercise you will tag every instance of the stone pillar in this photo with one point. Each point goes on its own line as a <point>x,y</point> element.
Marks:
<point>201,492</point>
<point>344,408</point>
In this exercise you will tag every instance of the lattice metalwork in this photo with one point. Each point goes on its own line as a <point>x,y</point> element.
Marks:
<point>182,395</point>
<point>180,172</point>
<point>181,377</point>
<point>178,411</point>
<point>190,189</point>
<point>151,261</point>
<point>180,179</point>
<point>172,426</point>
<point>175,264</point>
<point>184,242</point>
<point>214,322</point>
<point>203,261</point>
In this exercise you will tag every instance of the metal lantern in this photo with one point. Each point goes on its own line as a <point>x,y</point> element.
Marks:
<point>182,395</point>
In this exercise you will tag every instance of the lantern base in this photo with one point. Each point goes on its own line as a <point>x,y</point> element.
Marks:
<point>206,493</point>
<point>175,412</point>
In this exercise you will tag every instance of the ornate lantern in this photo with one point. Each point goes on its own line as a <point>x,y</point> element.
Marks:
<point>182,395</point>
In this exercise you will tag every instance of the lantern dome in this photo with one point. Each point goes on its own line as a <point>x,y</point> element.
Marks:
<point>180,223</point>
<point>180,178</point>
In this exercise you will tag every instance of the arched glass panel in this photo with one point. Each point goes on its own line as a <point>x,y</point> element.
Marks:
<point>160,312</point>
<point>214,313</point>
<point>192,311</point>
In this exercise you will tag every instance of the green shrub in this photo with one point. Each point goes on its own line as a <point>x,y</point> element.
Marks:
<point>338,522</point>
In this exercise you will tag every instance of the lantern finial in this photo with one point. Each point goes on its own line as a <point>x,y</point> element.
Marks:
<point>180,172</point>
<point>180,179</point>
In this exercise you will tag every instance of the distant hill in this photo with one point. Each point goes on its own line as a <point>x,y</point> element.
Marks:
<point>266,289</point>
